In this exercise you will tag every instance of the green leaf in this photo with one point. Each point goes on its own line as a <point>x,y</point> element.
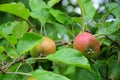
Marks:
<point>87,9</point>
<point>91,74</point>
<point>28,41</point>
<point>69,56</point>
<point>12,53</point>
<point>109,27</point>
<point>19,30</point>
<point>1,49</point>
<point>115,7</point>
<point>77,20</point>
<point>40,11</point>
<point>11,39</point>
<point>114,68</point>
<point>61,29</point>
<point>52,3</point>
<point>37,4</point>
<point>61,16</point>
<point>102,67</point>
<point>16,9</point>
<point>115,36</point>
<point>25,67</point>
<point>42,14</point>
<point>46,75</point>
<point>8,27</point>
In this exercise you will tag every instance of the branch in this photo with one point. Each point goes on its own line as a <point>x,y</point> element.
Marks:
<point>63,43</point>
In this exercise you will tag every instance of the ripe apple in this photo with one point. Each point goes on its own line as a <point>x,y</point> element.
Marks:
<point>87,44</point>
<point>45,48</point>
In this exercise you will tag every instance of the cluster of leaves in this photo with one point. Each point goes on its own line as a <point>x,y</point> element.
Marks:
<point>23,25</point>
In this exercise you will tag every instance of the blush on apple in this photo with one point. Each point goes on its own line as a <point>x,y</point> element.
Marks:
<point>87,44</point>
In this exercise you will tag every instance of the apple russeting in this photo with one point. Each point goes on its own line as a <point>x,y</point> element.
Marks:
<point>45,48</point>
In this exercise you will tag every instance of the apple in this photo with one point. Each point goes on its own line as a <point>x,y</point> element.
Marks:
<point>45,48</point>
<point>87,44</point>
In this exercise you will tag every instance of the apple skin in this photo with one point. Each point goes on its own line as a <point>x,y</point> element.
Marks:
<point>45,48</point>
<point>87,44</point>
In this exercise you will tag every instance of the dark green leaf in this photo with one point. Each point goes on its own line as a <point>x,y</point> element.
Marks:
<point>114,68</point>
<point>28,41</point>
<point>61,16</point>
<point>85,74</point>
<point>16,9</point>
<point>25,68</point>
<point>102,67</point>
<point>69,56</point>
<point>45,75</point>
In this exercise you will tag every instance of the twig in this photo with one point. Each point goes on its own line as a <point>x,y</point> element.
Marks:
<point>64,43</point>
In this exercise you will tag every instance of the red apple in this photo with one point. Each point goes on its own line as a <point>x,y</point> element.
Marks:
<point>87,44</point>
<point>45,48</point>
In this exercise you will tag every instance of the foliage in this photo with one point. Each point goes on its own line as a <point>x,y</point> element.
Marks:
<point>24,23</point>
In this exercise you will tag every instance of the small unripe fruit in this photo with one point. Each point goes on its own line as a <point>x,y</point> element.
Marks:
<point>45,48</point>
<point>87,44</point>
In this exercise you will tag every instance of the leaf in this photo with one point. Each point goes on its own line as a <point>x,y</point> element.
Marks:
<point>60,29</point>
<point>19,30</point>
<point>1,49</point>
<point>85,74</point>
<point>115,36</point>
<point>77,20</point>
<point>69,56</point>
<point>102,67</point>
<point>8,27</point>
<point>115,7</point>
<point>61,16</point>
<point>109,27</point>
<point>40,11</point>
<point>28,41</point>
<point>46,75</point>
<point>42,14</point>
<point>52,3</point>
<point>11,39</point>
<point>114,68</point>
<point>87,9</point>
<point>16,9</point>
<point>12,53</point>
<point>26,68</point>
<point>37,4</point>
